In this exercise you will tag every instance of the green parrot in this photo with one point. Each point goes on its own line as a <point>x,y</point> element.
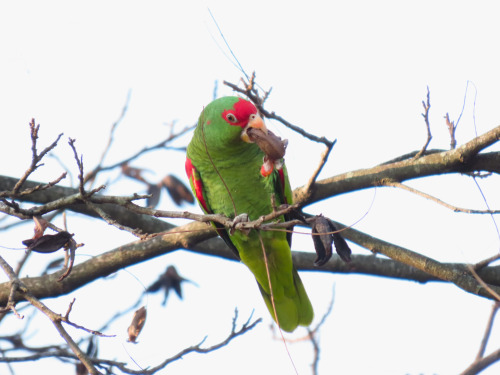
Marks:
<point>230,175</point>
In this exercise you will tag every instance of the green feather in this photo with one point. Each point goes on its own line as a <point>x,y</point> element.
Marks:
<point>228,174</point>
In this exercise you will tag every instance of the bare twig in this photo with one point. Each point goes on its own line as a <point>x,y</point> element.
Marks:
<point>136,232</point>
<point>38,187</point>
<point>451,128</point>
<point>112,132</point>
<point>485,262</point>
<point>437,200</point>
<point>425,115</point>
<point>487,332</point>
<point>252,94</point>
<point>79,163</point>
<point>247,326</point>
<point>308,188</point>
<point>313,335</point>
<point>35,157</point>
<point>55,318</point>
<point>260,223</point>
<point>110,364</point>
<point>160,145</point>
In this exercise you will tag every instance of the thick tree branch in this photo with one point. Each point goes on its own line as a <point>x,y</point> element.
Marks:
<point>460,275</point>
<point>190,236</point>
<point>460,160</point>
<point>463,159</point>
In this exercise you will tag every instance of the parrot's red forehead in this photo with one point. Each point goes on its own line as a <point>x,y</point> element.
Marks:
<point>242,110</point>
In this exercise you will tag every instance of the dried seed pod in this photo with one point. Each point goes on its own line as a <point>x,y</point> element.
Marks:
<point>48,243</point>
<point>137,324</point>
<point>341,247</point>
<point>270,144</point>
<point>324,239</point>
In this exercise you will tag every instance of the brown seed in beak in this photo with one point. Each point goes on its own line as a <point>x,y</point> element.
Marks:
<point>273,146</point>
<point>255,122</point>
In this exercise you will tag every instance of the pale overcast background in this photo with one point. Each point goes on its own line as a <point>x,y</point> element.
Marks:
<point>352,70</point>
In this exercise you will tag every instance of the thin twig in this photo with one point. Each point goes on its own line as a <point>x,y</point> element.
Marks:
<point>485,262</point>
<point>451,128</point>
<point>55,318</point>
<point>35,157</point>
<point>145,150</point>
<point>247,326</point>
<point>28,191</point>
<point>258,101</point>
<point>112,131</point>
<point>308,188</point>
<point>312,333</point>
<point>136,232</point>
<point>79,162</point>
<point>437,200</point>
<point>425,115</point>
<point>487,332</point>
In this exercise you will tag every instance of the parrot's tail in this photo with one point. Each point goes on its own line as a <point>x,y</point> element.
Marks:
<point>292,304</point>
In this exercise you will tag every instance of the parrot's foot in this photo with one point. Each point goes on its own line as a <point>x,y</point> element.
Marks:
<point>241,218</point>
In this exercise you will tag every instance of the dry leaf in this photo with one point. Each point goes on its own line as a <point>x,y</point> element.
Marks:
<point>323,241</point>
<point>154,191</point>
<point>40,225</point>
<point>135,173</point>
<point>168,280</point>
<point>137,324</point>
<point>177,190</point>
<point>48,243</point>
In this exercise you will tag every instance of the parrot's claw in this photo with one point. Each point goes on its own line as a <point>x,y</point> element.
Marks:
<point>241,218</point>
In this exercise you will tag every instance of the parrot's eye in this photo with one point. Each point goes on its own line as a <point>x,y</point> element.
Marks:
<point>252,116</point>
<point>231,118</point>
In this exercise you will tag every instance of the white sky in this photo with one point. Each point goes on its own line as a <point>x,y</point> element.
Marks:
<point>356,71</point>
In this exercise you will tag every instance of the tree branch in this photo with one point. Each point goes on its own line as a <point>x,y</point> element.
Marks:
<point>56,319</point>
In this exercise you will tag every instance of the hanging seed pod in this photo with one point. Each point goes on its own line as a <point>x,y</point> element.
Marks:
<point>48,243</point>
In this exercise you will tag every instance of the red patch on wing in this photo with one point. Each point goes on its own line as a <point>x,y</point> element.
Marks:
<point>197,183</point>
<point>242,110</point>
<point>281,175</point>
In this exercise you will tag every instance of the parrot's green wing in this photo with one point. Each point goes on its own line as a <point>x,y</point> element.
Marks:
<point>284,194</point>
<point>199,192</point>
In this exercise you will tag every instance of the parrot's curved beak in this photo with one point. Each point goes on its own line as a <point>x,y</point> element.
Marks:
<point>255,123</point>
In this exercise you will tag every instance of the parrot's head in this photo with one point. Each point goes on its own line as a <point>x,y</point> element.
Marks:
<point>225,122</point>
